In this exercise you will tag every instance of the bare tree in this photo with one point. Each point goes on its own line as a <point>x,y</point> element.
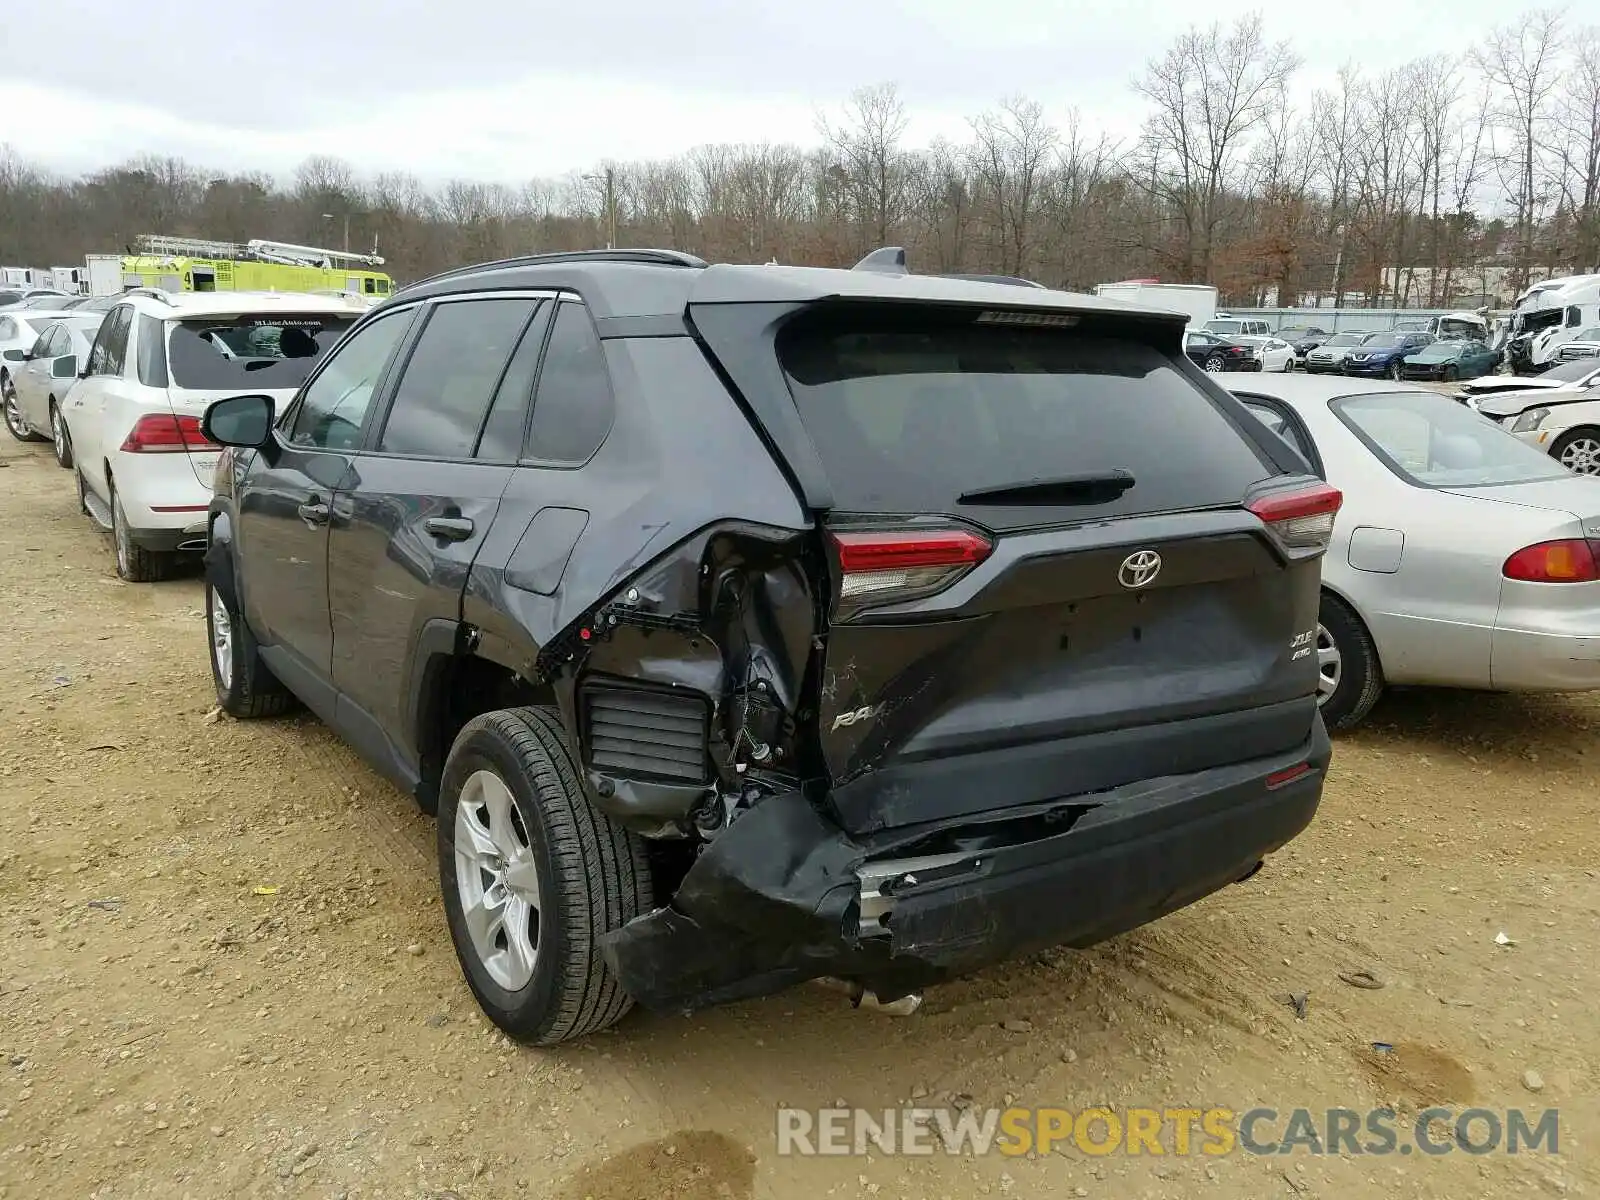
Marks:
<point>1578,140</point>
<point>1013,150</point>
<point>866,144</point>
<point>1210,92</point>
<point>1521,61</point>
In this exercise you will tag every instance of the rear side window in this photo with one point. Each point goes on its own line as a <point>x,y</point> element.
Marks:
<point>907,418</point>
<point>572,409</point>
<point>244,353</point>
<point>152,352</point>
<point>452,375</point>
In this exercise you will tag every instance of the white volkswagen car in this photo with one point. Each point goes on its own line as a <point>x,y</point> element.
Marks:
<point>132,422</point>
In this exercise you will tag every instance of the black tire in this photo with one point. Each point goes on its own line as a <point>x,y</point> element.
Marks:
<point>1359,680</point>
<point>60,436</point>
<point>13,411</point>
<point>1216,364</point>
<point>134,562</point>
<point>1448,373</point>
<point>592,877</point>
<point>1586,459</point>
<point>249,689</point>
<point>1394,370</point>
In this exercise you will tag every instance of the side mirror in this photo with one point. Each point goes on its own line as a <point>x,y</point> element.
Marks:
<point>243,421</point>
<point>16,356</point>
<point>65,367</point>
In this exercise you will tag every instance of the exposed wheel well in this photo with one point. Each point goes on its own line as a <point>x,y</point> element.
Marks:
<point>1588,430</point>
<point>456,689</point>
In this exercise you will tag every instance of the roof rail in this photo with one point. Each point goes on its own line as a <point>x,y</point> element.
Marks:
<point>154,293</point>
<point>659,258</point>
<point>1015,280</point>
<point>889,260</point>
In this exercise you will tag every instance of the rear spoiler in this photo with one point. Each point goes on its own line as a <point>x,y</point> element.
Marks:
<point>891,260</point>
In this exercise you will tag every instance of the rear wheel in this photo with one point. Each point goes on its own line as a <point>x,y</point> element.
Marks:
<point>1349,676</point>
<point>134,562</point>
<point>59,436</point>
<point>1578,450</point>
<point>246,686</point>
<point>532,876</point>
<point>1394,370</point>
<point>1216,364</point>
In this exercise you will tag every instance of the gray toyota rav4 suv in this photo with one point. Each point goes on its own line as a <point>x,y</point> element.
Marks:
<point>749,624</point>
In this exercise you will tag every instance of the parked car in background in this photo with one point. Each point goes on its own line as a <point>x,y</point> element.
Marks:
<point>1217,354</point>
<point>19,297</point>
<point>1461,557</point>
<point>1586,345</point>
<point>1328,357</point>
<point>1564,424</point>
<point>1449,360</point>
<point>19,330</point>
<point>1566,377</point>
<point>1273,353</point>
<point>1381,354</point>
<point>43,375</point>
<point>1304,339</point>
<point>1225,326</point>
<point>485,544</point>
<point>132,423</point>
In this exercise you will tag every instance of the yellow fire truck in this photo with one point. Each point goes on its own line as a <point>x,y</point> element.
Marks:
<point>178,264</point>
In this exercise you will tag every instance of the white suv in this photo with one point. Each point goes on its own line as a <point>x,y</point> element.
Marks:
<point>132,422</point>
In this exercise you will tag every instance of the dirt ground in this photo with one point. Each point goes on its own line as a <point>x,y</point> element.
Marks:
<point>224,969</point>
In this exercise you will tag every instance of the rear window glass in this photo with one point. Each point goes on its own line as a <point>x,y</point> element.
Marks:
<point>264,352</point>
<point>907,419</point>
<point>1432,441</point>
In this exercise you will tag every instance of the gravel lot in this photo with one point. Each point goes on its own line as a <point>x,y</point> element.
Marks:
<point>224,970</point>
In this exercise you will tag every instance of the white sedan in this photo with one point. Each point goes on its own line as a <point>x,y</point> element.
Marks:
<point>1563,424</point>
<point>19,333</point>
<point>41,379</point>
<point>1275,354</point>
<point>1461,557</point>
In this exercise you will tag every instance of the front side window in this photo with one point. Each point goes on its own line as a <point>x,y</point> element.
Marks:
<point>451,376</point>
<point>334,406</point>
<point>1431,441</point>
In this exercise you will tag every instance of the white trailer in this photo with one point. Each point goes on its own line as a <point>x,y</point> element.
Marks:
<point>103,273</point>
<point>1547,316</point>
<point>1196,301</point>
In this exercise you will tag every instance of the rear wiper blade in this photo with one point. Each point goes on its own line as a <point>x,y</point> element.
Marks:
<point>1096,487</point>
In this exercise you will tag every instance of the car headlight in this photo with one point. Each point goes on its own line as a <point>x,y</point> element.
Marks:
<point>1530,420</point>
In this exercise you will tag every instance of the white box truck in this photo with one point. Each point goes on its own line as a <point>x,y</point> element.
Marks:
<point>1197,301</point>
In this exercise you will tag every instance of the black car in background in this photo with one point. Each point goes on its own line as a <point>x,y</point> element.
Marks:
<point>1218,354</point>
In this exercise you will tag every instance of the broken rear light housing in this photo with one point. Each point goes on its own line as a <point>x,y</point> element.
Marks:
<point>887,566</point>
<point>1301,519</point>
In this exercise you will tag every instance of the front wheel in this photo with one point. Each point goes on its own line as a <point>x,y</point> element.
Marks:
<point>246,686</point>
<point>1578,450</point>
<point>1349,675</point>
<point>1449,374</point>
<point>13,410</point>
<point>60,438</point>
<point>533,875</point>
<point>1216,364</point>
<point>1394,370</point>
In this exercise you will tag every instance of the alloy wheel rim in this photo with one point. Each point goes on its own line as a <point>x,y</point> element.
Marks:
<point>1214,365</point>
<point>1582,456</point>
<point>119,536</point>
<point>1330,665</point>
<point>221,638</point>
<point>58,432</point>
<point>14,414</point>
<point>497,880</point>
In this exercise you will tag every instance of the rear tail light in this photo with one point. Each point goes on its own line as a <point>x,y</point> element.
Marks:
<point>1301,519</point>
<point>880,567</point>
<point>1569,560</point>
<point>166,433</point>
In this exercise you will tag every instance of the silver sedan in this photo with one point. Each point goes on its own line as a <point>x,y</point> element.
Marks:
<point>1461,557</point>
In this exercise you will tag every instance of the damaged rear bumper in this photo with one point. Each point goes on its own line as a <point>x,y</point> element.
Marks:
<point>784,895</point>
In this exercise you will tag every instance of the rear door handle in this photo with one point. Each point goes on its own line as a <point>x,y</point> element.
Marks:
<point>451,529</point>
<point>315,513</point>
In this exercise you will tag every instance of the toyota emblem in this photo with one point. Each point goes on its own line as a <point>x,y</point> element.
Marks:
<point>1139,569</point>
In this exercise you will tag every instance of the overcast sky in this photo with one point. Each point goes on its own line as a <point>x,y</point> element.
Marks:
<point>510,89</point>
